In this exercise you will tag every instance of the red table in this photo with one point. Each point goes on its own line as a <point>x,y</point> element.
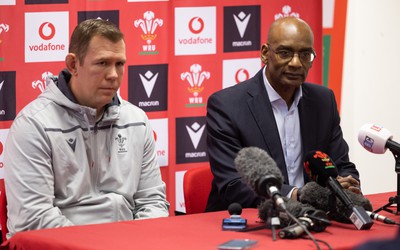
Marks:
<point>197,231</point>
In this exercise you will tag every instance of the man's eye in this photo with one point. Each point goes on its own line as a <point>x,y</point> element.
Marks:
<point>285,53</point>
<point>307,56</point>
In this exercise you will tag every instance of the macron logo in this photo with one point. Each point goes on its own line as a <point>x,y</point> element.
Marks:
<point>195,132</point>
<point>148,81</point>
<point>1,85</point>
<point>242,21</point>
<point>72,143</point>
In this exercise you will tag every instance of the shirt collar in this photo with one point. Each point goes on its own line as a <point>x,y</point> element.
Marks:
<point>274,96</point>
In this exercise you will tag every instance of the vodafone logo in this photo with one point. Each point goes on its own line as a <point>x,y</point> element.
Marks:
<point>155,135</point>
<point>46,36</point>
<point>160,134</point>
<point>47,31</point>
<point>198,34</point>
<point>239,70</point>
<point>196,25</point>
<point>1,152</point>
<point>3,136</point>
<point>241,75</point>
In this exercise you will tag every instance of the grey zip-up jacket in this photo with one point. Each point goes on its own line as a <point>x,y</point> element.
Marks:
<point>63,168</point>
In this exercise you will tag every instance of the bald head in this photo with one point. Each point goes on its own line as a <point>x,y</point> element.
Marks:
<point>290,28</point>
<point>288,55</point>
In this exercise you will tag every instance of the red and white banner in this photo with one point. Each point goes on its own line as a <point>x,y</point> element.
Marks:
<point>178,53</point>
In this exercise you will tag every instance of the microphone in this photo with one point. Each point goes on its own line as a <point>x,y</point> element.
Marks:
<point>381,218</point>
<point>317,196</point>
<point>311,218</point>
<point>377,139</point>
<point>315,220</point>
<point>260,171</point>
<point>235,222</point>
<point>321,169</point>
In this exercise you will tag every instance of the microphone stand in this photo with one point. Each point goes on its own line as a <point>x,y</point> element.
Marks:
<point>396,199</point>
<point>332,202</point>
<point>273,221</point>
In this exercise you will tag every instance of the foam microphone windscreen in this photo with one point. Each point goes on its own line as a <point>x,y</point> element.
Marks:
<point>254,164</point>
<point>235,209</point>
<point>319,166</point>
<point>265,208</point>
<point>317,196</point>
<point>292,206</point>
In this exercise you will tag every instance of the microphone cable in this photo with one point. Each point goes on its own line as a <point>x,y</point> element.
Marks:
<point>311,237</point>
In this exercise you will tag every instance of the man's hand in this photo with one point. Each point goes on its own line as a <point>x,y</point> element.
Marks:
<point>295,194</point>
<point>349,183</point>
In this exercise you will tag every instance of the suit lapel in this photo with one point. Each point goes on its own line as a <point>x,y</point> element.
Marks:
<point>308,122</point>
<point>261,110</point>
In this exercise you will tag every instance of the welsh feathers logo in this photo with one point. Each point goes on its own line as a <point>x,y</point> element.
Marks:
<point>286,11</point>
<point>41,84</point>
<point>121,142</point>
<point>148,25</point>
<point>3,28</point>
<point>195,78</point>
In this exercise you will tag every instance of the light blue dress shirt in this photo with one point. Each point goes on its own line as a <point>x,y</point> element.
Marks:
<point>288,123</point>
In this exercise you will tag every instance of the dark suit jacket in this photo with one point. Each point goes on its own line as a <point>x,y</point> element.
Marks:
<point>241,116</point>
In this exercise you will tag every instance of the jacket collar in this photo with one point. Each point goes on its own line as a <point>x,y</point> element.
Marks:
<point>111,111</point>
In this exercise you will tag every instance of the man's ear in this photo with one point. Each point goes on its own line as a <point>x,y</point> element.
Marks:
<point>264,50</point>
<point>71,62</point>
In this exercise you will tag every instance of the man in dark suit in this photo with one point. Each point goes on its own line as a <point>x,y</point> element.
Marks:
<point>279,113</point>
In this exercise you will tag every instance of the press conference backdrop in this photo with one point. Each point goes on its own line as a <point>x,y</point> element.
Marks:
<point>371,85</point>
<point>178,53</point>
<point>368,92</point>
<point>169,42</point>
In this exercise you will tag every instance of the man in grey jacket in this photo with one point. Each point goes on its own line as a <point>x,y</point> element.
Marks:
<point>79,154</point>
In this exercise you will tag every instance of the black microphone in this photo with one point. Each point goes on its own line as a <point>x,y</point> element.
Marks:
<point>319,197</point>
<point>235,222</point>
<point>377,139</point>
<point>381,218</point>
<point>260,171</point>
<point>311,218</point>
<point>315,220</point>
<point>321,169</point>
